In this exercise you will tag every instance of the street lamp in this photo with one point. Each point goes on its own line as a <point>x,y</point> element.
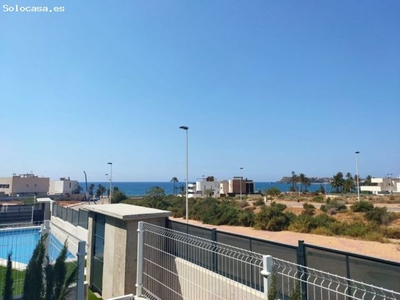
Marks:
<point>86,187</point>
<point>241,183</point>
<point>106,182</point>
<point>358,177</point>
<point>390,182</point>
<point>187,171</point>
<point>110,163</point>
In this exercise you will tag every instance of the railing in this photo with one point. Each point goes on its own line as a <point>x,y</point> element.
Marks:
<point>308,283</point>
<point>376,271</point>
<point>177,265</point>
<point>29,213</point>
<point>76,217</point>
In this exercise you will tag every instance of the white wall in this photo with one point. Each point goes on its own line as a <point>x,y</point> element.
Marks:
<point>201,186</point>
<point>62,186</point>
<point>199,283</point>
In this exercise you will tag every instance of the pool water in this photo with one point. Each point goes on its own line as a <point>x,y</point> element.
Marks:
<point>22,241</point>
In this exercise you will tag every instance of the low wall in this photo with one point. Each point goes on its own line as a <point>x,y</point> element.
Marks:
<point>62,229</point>
<point>198,282</point>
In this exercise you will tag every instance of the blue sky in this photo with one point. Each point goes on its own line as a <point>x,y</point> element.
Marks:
<point>270,86</point>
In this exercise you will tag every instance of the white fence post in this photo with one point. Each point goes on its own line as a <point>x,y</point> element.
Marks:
<point>80,290</point>
<point>139,270</point>
<point>266,272</point>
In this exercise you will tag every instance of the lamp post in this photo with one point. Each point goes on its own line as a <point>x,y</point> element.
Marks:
<point>106,182</point>
<point>110,163</point>
<point>390,182</point>
<point>358,177</point>
<point>86,186</point>
<point>241,183</point>
<point>187,171</point>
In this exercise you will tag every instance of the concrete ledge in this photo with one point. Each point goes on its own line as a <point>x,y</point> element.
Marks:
<point>128,212</point>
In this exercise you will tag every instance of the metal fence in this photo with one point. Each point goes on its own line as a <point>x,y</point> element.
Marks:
<point>17,214</point>
<point>294,281</point>
<point>20,240</point>
<point>353,266</point>
<point>177,265</point>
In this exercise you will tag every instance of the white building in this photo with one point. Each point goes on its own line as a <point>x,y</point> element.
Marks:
<point>206,188</point>
<point>217,188</point>
<point>383,185</point>
<point>191,190</point>
<point>64,186</point>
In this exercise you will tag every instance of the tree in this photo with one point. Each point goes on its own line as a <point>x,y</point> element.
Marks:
<point>348,185</point>
<point>182,188</point>
<point>118,196</point>
<point>44,280</point>
<point>33,283</point>
<point>8,281</point>
<point>100,190</point>
<point>155,197</point>
<point>302,180</point>
<point>208,192</point>
<point>307,183</point>
<point>273,192</point>
<point>174,180</point>
<point>337,181</point>
<point>61,280</point>
<point>91,187</point>
<point>78,190</point>
<point>293,181</point>
<point>368,180</point>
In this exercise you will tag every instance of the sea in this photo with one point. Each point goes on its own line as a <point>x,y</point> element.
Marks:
<point>140,188</point>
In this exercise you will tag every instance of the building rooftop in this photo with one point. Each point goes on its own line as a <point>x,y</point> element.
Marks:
<point>127,211</point>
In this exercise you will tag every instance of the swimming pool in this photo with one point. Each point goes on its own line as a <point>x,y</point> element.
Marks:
<point>22,241</point>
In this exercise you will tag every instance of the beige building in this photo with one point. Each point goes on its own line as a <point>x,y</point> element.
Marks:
<point>24,185</point>
<point>64,186</point>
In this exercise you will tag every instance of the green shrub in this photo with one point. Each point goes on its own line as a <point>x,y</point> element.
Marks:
<point>308,209</point>
<point>356,229</point>
<point>323,220</point>
<point>273,292</point>
<point>322,231</point>
<point>242,203</point>
<point>291,216</point>
<point>272,218</point>
<point>362,206</point>
<point>118,196</point>
<point>391,233</point>
<point>295,294</point>
<point>302,224</point>
<point>378,215</point>
<point>273,192</point>
<point>8,287</point>
<point>318,198</point>
<point>259,202</point>
<point>246,218</point>
<point>333,206</point>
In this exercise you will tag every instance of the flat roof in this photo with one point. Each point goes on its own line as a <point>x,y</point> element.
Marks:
<point>127,211</point>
